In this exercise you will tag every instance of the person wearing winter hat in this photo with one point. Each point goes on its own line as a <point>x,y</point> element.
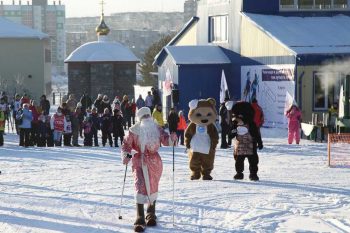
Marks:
<point>224,123</point>
<point>25,117</point>
<point>58,124</point>
<point>144,138</point>
<point>294,119</point>
<point>98,104</point>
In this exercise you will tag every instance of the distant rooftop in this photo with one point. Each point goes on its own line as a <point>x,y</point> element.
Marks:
<point>102,51</point>
<point>9,29</point>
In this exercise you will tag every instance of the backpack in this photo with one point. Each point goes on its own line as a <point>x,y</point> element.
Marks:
<point>69,128</point>
<point>19,117</point>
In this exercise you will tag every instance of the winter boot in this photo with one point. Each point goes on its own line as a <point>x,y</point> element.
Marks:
<point>195,176</point>
<point>238,176</point>
<point>253,177</point>
<point>140,224</point>
<point>207,177</point>
<point>151,215</point>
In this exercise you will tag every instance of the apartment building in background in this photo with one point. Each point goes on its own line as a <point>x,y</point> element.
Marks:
<point>45,17</point>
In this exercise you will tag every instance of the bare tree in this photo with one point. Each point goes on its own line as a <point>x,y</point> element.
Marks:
<point>19,82</point>
<point>3,84</point>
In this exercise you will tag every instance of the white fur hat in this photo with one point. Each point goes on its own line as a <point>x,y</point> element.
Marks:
<point>143,111</point>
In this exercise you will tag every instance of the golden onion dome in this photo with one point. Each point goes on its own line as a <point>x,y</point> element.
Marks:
<point>102,29</point>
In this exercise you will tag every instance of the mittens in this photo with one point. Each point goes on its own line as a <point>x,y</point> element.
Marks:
<point>173,137</point>
<point>126,158</point>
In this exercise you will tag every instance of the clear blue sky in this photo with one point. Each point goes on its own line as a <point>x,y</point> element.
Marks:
<point>79,8</point>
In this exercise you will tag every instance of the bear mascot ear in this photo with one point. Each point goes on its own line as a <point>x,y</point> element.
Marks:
<point>212,101</point>
<point>193,104</point>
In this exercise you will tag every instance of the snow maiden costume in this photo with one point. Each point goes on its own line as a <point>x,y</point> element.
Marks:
<point>147,167</point>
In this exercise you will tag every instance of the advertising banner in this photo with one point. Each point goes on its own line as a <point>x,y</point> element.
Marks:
<point>273,86</point>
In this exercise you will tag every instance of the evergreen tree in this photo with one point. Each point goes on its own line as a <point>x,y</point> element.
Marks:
<point>147,65</point>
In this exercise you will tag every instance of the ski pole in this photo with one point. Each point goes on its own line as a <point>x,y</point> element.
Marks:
<point>173,182</point>
<point>11,122</point>
<point>121,198</point>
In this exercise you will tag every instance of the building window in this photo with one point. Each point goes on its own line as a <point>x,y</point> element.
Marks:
<point>313,4</point>
<point>326,90</point>
<point>306,4</point>
<point>340,4</point>
<point>287,4</point>
<point>323,4</point>
<point>218,28</point>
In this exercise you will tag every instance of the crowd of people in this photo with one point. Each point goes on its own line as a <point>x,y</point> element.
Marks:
<point>74,118</point>
<point>85,118</point>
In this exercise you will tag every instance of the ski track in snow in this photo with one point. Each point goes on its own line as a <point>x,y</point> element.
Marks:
<point>78,190</point>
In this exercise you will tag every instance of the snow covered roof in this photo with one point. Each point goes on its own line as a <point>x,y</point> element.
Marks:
<point>102,51</point>
<point>10,29</point>
<point>189,55</point>
<point>307,35</point>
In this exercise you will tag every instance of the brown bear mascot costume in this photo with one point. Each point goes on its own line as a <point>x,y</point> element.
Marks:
<point>201,138</point>
<point>246,140</point>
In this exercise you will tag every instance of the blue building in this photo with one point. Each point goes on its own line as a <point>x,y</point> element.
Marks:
<point>196,72</point>
<point>281,51</point>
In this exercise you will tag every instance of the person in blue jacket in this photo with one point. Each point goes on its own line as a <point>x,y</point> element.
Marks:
<point>25,117</point>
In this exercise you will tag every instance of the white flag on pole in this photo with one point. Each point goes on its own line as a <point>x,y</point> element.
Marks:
<point>288,102</point>
<point>341,103</point>
<point>168,83</point>
<point>223,88</point>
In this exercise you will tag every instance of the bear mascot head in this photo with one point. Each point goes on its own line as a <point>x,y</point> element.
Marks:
<point>243,114</point>
<point>202,112</point>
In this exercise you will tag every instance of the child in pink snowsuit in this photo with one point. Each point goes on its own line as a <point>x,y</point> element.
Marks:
<point>294,118</point>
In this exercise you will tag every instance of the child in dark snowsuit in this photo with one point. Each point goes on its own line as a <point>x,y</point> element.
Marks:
<point>106,127</point>
<point>49,133</point>
<point>2,126</point>
<point>95,125</point>
<point>118,131</point>
<point>87,126</point>
<point>67,134</point>
<point>42,131</point>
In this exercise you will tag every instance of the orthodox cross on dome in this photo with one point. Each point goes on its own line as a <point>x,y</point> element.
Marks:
<point>102,5</point>
<point>102,29</point>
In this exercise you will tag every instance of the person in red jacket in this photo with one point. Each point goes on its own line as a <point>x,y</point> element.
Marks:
<point>58,125</point>
<point>258,115</point>
<point>181,126</point>
<point>25,99</point>
<point>35,123</point>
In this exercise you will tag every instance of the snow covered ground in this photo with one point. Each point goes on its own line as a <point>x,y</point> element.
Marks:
<point>77,190</point>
